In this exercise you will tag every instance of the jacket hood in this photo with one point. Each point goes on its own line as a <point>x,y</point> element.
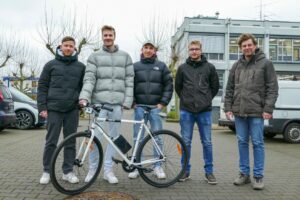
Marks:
<point>60,56</point>
<point>256,57</point>
<point>116,48</point>
<point>193,63</point>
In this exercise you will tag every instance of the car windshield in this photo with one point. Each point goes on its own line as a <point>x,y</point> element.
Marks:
<point>19,96</point>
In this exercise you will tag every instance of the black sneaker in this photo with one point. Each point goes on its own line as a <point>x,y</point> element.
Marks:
<point>258,183</point>
<point>211,179</point>
<point>185,177</point>
<point>242,180</point>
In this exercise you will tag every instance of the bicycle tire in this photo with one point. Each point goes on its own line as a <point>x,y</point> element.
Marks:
<point>178,151</point>
<point>57,162</point>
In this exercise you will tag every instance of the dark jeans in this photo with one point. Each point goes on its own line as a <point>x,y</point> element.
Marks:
<point>55,122</point>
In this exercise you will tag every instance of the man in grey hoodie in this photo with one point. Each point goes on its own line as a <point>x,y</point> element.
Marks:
<point>251,93</point>
<point>108,80</point>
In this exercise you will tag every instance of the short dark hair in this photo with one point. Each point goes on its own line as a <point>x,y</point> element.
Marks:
<point>110,28</point>
<point>68,38</point>
<point>246,36</point>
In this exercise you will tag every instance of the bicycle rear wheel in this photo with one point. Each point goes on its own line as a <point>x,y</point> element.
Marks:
<point>66,159</point>
<point>175,161</point>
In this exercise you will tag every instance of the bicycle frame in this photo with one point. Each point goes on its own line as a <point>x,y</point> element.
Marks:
<point>97,128</point>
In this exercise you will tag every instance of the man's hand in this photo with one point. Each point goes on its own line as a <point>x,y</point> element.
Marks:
<point>83,103</point>
<point>266,115</point>
<point>44,114</point>
<point>229,116</point>
<point>160,106</point>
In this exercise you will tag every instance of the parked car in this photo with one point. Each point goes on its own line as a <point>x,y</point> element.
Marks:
<point>26,111</point>
<point>286,115</point>
<point>7,113</point>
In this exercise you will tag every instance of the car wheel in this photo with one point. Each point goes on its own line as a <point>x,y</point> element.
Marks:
<point>24,119</point>
<point>269,135</point>
<point>292,133</point>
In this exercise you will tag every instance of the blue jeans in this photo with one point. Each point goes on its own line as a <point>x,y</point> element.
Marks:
<point>203,120</point>
<point>251,127</point>
<point>155,125</point>
<point>114,131</point>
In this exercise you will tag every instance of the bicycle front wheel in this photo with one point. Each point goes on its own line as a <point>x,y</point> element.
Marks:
<point>72,160</point>
<point>163,158</point>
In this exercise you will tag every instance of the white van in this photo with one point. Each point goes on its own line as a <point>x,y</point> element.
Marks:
<point>286,115</point>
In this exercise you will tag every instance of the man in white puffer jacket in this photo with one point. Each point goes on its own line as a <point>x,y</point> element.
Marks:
<point>108,80</point>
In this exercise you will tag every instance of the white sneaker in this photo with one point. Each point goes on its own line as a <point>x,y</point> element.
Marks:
<point>90,175</point>
<point>159,172</point>
<point>133,174</point>
<point>110,177</point>
<point>70,177</point>
<point>45,179</point>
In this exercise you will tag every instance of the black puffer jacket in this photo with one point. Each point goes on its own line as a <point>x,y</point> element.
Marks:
<point>60,83</point>
<point>153,82</point>
<point>196,85</point>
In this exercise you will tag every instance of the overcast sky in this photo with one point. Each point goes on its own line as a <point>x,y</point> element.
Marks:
<point>127,16</point>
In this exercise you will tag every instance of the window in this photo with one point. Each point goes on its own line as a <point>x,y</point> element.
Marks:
<point>284,75</point>
<point>284,50</point>
<point>213,56</point>
<point>296,50</point>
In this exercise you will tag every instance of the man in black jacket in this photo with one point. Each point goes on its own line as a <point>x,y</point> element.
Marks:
<point>196,84</point>
<point>58,92</point>
<point>153,88</point>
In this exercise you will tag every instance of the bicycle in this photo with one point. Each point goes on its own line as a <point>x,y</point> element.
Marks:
<point>173,156</point>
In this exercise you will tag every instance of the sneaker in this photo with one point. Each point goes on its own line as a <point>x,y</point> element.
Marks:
<point>185,177</point>
<point>90,175</point>
<point>110,177</point>
<point>45,179</point>
<point>242,179</point>
<point>258,183</point>
<point>133,174</point>
<point>159,172</point>
<point>70,177</point>
<point>211,179</point>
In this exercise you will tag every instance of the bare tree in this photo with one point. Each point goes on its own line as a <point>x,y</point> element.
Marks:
<point>9,43</point>
<point>52,29</point>
<point>156,30</point>
<point>26,67</point>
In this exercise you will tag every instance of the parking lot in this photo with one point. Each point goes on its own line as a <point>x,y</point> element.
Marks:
<point>21,167</point>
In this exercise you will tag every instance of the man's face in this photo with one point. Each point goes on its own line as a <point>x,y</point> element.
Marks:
<point>108,38</point>
<point>248,48</point>
<point>148,51</point>
<point>194,52</point>
<point>67,48</point>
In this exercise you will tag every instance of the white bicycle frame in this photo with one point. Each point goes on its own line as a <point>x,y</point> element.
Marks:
<point>96,127</point>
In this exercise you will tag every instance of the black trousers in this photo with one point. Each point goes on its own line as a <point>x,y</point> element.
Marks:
<point>55,122</point>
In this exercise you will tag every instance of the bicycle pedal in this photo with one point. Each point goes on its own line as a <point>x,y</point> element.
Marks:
<point>116,160</point>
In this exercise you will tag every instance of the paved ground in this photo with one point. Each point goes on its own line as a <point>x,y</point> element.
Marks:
<point>21,167</point>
